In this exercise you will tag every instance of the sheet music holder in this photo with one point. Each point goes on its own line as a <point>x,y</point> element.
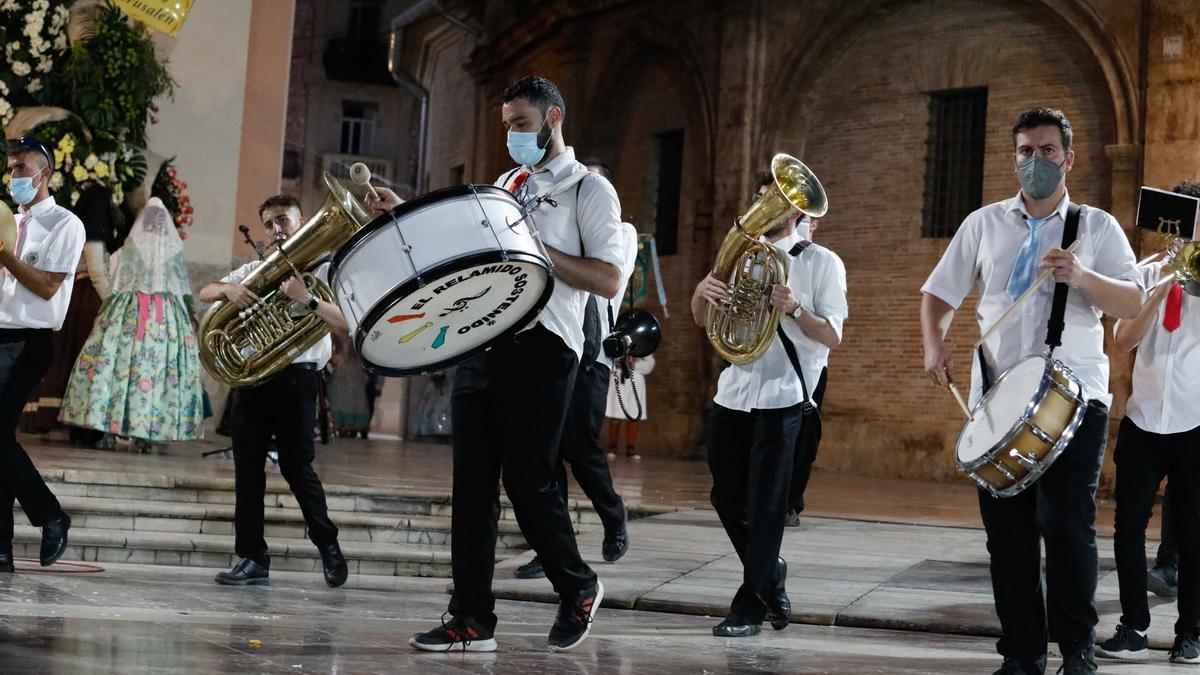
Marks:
<point>1167,212</point>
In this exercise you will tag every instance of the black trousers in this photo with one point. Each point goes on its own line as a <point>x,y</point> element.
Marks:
<point>1168,547</point>
<point>24,357</point>
<point>750,456</point>
<point>1060,508</point>
<point>285,407</point>
<point>580,446</point>
<point>1143,459</point>
<point>807,442</point>
<point>507,410</point>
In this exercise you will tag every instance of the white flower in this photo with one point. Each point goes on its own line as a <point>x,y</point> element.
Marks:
<point>11,48</point>
<point>35,85</point>
<point>9,6</point>
<point>42,5</point>
<point>90,162</point>
<point>60,42</point>
<point>21,68</point>
<point>56,181</point>
<point>45,64</point>
<point>3,88</point>
<point>6,111</point>
<point>74,196</point>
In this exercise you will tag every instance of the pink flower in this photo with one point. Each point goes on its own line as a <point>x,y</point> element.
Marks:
<point>114,427</point>
<point>145,384</point>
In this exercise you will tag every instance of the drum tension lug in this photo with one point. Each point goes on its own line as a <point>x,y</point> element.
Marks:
<point>486,223</point>
<point>1029,461</point>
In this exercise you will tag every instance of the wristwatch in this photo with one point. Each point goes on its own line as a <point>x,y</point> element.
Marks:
<point>312,303</point>
<point>798,311</point>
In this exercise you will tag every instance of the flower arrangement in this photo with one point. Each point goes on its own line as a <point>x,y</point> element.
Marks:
<point>34,38</point>
<point>170,189</point>
<point>112,78</point>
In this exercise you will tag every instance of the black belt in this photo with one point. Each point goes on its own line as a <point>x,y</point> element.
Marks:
<point>303,366</point>
<point>9,335</point>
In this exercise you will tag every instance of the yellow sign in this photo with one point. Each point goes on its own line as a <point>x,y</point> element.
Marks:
<point>164,15</point>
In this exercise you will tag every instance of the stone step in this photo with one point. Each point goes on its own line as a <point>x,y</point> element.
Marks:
<point>218,490</point>
<point>125,515</point>
<point>101,546</point>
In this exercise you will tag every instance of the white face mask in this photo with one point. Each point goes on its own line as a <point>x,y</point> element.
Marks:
<point>804,228</point>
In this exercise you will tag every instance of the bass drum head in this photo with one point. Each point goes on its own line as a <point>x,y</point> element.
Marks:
<point>465,305</point>
<point>998,413</point>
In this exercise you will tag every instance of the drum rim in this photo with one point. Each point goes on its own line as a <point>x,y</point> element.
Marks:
<point>381,307</point>
<point>1031,410</point>
<point>407,208</point>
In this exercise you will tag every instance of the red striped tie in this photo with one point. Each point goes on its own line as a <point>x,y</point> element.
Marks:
<point>1171,317</point>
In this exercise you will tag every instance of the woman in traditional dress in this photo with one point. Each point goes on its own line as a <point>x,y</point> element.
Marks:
<point>139,372</point>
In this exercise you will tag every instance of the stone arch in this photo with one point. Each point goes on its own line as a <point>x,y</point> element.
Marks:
<point>803,63</point>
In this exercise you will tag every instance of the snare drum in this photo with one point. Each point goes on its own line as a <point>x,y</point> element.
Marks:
<point>1021,426</point>
<point>438,279</point>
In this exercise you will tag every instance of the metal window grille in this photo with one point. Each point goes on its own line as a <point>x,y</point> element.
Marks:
<point>954,169</point>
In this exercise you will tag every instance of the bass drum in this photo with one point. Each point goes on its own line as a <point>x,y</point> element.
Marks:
<point>439,279</point>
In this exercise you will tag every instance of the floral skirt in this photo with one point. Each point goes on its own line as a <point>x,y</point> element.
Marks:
<point>139,372</point>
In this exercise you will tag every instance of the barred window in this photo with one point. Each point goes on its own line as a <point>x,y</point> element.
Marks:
<point>954,169</point>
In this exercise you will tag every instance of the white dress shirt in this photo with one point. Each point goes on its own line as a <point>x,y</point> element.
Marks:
<point>50,238</point>
<point>593,220</point>
<point>984,252</point>
<point>1166,374</point>
<point>320,352</point>
<point>630,238</point>
<point>770,381</point>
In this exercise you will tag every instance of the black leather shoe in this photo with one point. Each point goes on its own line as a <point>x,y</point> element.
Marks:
<point>245,573</point>
<point>6,563</point>
<point>780,606</point>
<point>616,543</point>
<point>336,569</point>
<point>1014,666</point>
<point>54,539</point>
<point>530,570</point>
<point>735,628</point>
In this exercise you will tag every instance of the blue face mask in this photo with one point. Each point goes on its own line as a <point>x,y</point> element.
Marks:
<point>523,146</point>
<point>22,190</point>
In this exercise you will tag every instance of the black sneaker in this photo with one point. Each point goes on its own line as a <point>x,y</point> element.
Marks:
<point>793,519</point>
<point>574,620</point>
<point>1014,666</point>
<point>1186,649</point>
<point>616,542</point>
<point>246,573</point>
<point>530,570</point>
<point>1124,644</point>
<point>1079,663</point>
<point>462,634</point>
<point>1163,581</point>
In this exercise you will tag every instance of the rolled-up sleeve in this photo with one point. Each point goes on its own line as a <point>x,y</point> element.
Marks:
<point>955,274</point>
<point>829,295</point>
<point>236,276</point>
<point>600,229</point>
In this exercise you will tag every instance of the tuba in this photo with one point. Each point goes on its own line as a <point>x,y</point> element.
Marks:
<point>242,347</point>
<point>743,328</point>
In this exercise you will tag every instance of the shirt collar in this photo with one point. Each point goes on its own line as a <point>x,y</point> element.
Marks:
<point>39,209</point>
<point>1018,204</point>
<point>559,167</point>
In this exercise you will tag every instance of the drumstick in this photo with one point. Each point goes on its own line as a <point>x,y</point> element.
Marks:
<point>1037,283</point>
<point>361,175</point>
<point>958,397</point>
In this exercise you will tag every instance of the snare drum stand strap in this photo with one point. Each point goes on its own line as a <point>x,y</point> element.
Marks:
<point>1054,328</point>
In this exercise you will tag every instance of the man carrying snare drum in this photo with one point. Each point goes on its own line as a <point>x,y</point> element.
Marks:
<point>1001,247</point>
<point>509,403</point>
<point>1159,438</point>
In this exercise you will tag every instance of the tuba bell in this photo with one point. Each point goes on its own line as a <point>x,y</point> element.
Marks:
<point>742,329</point>
<point>242,347</point>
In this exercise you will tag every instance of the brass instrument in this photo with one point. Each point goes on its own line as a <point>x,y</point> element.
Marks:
<point>242,347</point>
<point>743,328</point>
<point>1182,256</point>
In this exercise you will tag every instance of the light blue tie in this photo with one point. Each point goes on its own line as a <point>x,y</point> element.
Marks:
<point>1026,267</point>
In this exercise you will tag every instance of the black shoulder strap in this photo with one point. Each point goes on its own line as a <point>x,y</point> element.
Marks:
<point>806,406</point>
<point>1058,310</point>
